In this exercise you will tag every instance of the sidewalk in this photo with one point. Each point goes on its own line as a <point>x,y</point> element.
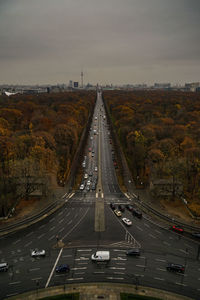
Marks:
<point>105,291</point>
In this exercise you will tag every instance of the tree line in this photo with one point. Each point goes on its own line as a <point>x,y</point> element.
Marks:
<point>160,135</point>
<point>39,135</point>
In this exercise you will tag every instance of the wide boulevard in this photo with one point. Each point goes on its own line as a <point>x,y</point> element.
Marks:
<point>86,223</point>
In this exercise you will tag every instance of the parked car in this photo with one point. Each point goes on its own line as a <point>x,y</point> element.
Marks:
<point>63,268</point>
<point>137,213</point>
<point>86,176</point>
<point>118,213</point>
<point>175,268</point>
<point>82,186</point>
<point>129,207</point>
<point>133,252</point>
<point>37,252</point>
<point>121,207</point>
<point>96,169</point>
<point>177,229</point>
<point>112,206</point>
<point>196,234</point>
<point>126,221</point>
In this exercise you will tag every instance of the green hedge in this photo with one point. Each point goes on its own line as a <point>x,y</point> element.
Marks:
<point>124,296</point>
<point>63,297</point>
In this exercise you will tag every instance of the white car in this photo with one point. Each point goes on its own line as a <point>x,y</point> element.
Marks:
<point>82,187</point>
<point>86,176</point>
<point>37,252</point>
<point>88,182</point>
<point>96,169</point>
<point>127,221</point>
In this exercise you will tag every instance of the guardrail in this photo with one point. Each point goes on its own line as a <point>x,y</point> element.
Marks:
<point>166,218</point>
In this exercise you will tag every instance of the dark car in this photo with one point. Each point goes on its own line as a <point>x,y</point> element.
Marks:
<point>129,207</point>
<point>175,268</point>
<point>63,268</point>
<point>121,207</point>
<point>177,229</point>
<point>196,234</point>
<point>133,252</point>
<point>112,206</point>
<point>137,213</point>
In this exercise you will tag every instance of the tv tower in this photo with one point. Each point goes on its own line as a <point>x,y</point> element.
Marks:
<point>82,79</point>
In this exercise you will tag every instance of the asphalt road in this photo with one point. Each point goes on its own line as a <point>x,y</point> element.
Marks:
<point>69,236</point>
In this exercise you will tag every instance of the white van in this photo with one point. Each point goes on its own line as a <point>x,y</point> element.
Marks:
<point>101,256</point>
<point>3,267</point>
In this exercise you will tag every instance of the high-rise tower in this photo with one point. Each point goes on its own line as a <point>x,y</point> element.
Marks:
<point>82,79</point>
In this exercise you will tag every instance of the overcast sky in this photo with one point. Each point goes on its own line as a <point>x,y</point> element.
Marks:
<point>112,41</point>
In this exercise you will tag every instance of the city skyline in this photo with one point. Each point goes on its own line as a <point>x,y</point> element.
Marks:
<point>114,41</point>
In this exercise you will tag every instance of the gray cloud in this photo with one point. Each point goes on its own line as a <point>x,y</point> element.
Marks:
<point>112,40</point>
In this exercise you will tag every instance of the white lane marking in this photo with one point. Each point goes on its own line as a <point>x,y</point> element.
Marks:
<point>83,216</point>
<point>68,255</point>
<point>159,259</point>
<point>16,242</point>
<point>52,228</point>
<point>180,283</point>
<point>39,237</point>
<point>140,266</point>
<point>119,273</point>
<point>101,195</point>
<point>29,234</point>
<point>147,225</point>
<point>151,235</point>
<point>69,222</point>
<point>96,195</point>
<point>158,231</point>
<point>28,244</point>
<point>61,221</point>
<point>183,251</point>
<point>166,243</point>
<point>71,196</point>
<point>119,250</point>
<point>142,257</point>
<point>10,295</point>
<point>16,282</point>
<point>81,278</point>
<point>82,258</point>
<point>99,272</point>
<point>41,226</point>
<point>117,278</point>
<point>34,269</point>
<point>52,219</point>
<point>118,258</point>
<point>38,278</point>
<point>84,250</point>
<point>82,268</point>
<point>139,275</point>
<point>61,250</point>
<point>60,213</point>
<point>161,269</point>
<point>82,263</point>
<point>139,228</point>
<point>157,278</point>
<point>114,268</point>
<point>79,273</point>
<point>61,229</point>
<point>51,238</point>
<point>67,214</point>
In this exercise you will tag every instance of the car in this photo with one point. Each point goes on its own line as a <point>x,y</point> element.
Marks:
<point>63,268</point>
<point>90,174</point>
<point>118,213</point>
<point>95,118</point>
<point>93,186</point>
<point>196,234</point>
<point>96,169</point>
<point>88,182</point>
<point>4,267</point>
<point>137,213</point>
<point>177,229</point>
<point>126,221</point>
<point>133,252</point>
<point>82,186</point>
<point>86,176</point>
<point>83,164</point>
<point>112,206</point>
<point>89,149</point>
<point>129,207</point>
<point>101,256</point>
<point>121,207</point>
<point>37,252</point>
<point>175,268</point>
<point>88,187</point>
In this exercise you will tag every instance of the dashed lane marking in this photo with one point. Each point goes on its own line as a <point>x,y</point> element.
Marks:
<point>140,266</point>
<point>84,250</point>
<point>161,269</point>
<point>61,221</point>
<point>115,278</point>
<point>157,278</point>
<point>16,282</point>
<point>159,259</point>
<point>52,228</point>
<point>35,269</point>
<point>28,244</point>
<point>51,238</point>
<point>61,229</point>
<point>70,279</point>
<point>40,236</point>
<point>16,242</point>
<point>151,235</point>
<point>178,283</point>
<point>147,225</point>
<point>38,278</point>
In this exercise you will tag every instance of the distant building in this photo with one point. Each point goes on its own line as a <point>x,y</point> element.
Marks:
<point>192,87</point>
<point>162,85</point>
<point>75,84</point>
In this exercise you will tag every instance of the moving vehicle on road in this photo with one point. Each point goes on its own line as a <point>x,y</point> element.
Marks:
<point>121,207</point>
<point>177,229</point>
<point>129,207</point>
<point>133,252</point>
<point>3,267</point>
<point>196,234</point>
<point>137,213</point>
<point>118,213</point>
<point>126,221</point>
<point>101,256</point>
<point>175,268</point>
<point>63,268</point>
<point>112,206</point>
<point>82,186</point>
<point>37,252</point>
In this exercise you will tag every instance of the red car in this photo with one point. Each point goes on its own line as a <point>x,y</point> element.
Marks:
<point>176,229</point>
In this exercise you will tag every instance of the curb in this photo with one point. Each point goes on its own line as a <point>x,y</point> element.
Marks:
<point>91,291</point>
